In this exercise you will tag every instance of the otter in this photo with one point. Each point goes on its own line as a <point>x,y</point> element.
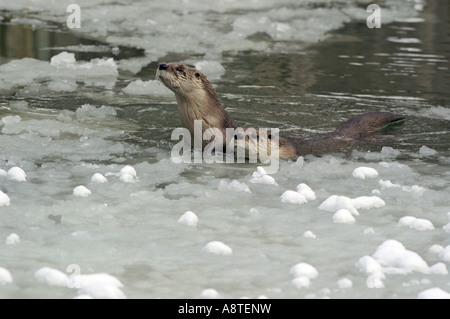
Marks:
<point>198,100</point>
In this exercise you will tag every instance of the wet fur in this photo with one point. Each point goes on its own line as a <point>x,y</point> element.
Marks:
<point>198,100</point>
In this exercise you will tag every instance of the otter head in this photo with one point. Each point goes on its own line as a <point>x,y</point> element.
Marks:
<point>180,78</point>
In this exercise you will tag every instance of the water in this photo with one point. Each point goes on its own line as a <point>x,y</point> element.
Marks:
<point>276,75</point>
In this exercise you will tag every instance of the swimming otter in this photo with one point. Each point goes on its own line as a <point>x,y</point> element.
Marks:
<point>197,100</point>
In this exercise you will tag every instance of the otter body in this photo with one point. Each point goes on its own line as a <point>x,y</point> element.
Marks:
<point>197,100</point>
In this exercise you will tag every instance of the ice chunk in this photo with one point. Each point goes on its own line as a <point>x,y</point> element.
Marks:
<point>212,69</point>
<point>90,111</point>
<point>335,203</point>
<point>364,172</point>
<point>301,282</point>
<point>343,216</point>
<point>366,202</point>
<point>415,223</point>
<point>12,239</point>
<point>345,283</point>
<point>81,191</point>
<point>151,87</point>
<point>102,291</point>
<point>436,249</point>
<point>12,119</point>
<point>303,270</point>
<point>444,255</point>
<point>63,59</point>
<point>292,197</point>
<point>5,276</point>
<point>209,293</point>
<point>189,218</point>
<point>309,234</point>
<point>426,151</point>
<point>433,293</point>
<point>234,185</point>
<point>261,177</point>
<point>51,277</point>
<point>388,184</point>
<point>17,174</point>
<point>439,269</point>
<point>217,248</point>
<point>81,281</point>
<point>99,178</point>
<point>4,199</point>
<point>306,191</point>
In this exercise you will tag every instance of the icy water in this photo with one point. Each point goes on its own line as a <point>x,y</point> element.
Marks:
<point>74,105</point>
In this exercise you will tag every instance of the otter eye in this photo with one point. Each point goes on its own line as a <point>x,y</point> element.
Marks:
<point>180,69</point>
<point>197,75</point>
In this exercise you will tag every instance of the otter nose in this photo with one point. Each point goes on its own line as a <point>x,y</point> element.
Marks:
<point>163,66</point>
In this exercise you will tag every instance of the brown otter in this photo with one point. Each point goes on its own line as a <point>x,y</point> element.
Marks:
<point>197,100</point>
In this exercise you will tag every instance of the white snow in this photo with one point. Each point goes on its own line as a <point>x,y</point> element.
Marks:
<point>335,203</point>
<point>343,216</point>
<point>433,293</point>
<point>306,191</point>
<point>345,283</point>
<point>51,277</point>
<point>261,177</point>
<point>301,282</point>
<point>83,281</point>
<point>304,270</point>
<point>81,191</point>
<point>128,174</point>
<point>209,293</point>
<point>217,248</point>
<point>364,172</point>
<point>102,291</point>
<point>446,228</point>
<point>426,151</point>
<point>12,239</point>
<point>444,255</point>
<point>99,178</point>
<point>415,223</point>
<point>234,185</point>
<point>5,276</point>
<point>17,174</point>
<point>436,249</point>
<point>150,87</point>
<point>309,234</point>
<point>188,218</point>
<point>4,199</point>
<point>293,197</point>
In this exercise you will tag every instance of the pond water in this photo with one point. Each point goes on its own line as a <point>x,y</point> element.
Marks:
<point>75,103</point>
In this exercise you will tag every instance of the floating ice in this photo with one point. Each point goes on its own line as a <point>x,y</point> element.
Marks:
<point>3,173</point>
<point>63,59</point>
<point>82,281</point>
<point>345,283</point>
<point>261,177</point>
<point>433,293</point>
<point>306,191</point>
<point>212,69</point>
<point>51,277</point>
<point>81,191</point>
<point>189,218</point>
<point>403,40</point>
<point>444,255</point>
<point>439,269</point>
<point>335,203</point>
<point>128,174</point>
<point>343,216</point>
<point>12,239</point>
<point>388,184</point>
<point>364,172</point>
<point>5,276</point>
<point>368,202</point>
<point>11,119</point>
<point>234,185</point>
<point>436,249</point>
<point>17,174</point>
<point>301,282</point>
<point>309,234</point>
<point>209,294</point>
<point>293,197</point>
<point>90,111</point>
<point>447,228</point>
<point>99,178</point>
<point>415,223</point>
<point>426,151</point>
<point>217,248</point>
<point>151,87</point>
<point>102,291</point>
<point>304,270</point>
<point>4,199</point>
